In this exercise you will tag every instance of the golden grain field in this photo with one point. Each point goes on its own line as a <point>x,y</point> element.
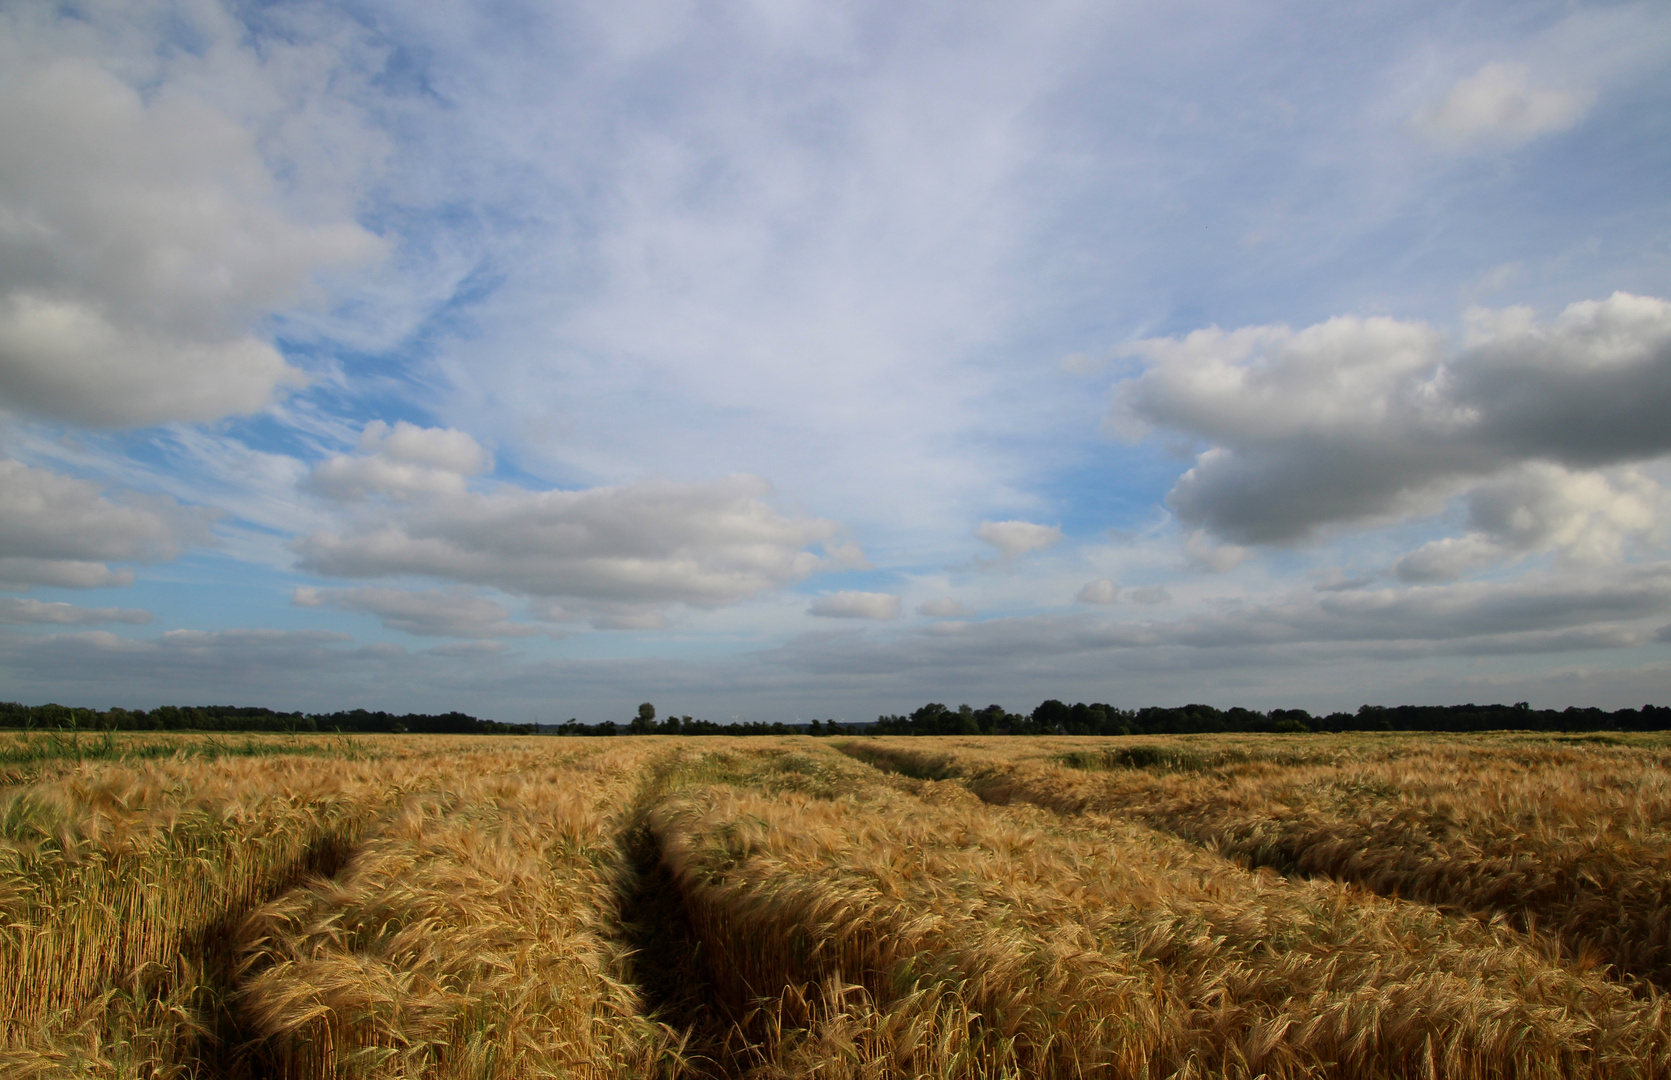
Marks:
<point>403,906</point>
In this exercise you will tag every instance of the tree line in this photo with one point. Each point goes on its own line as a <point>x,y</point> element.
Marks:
<point>1056,717</point>
<point>244,718</point>
<point>645,723</point>
<point>1049,718</point>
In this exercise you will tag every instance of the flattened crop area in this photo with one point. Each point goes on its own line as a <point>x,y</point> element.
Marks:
<point>788,907</point>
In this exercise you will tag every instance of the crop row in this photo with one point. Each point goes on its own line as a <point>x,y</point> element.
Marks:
<point>1569,842</point>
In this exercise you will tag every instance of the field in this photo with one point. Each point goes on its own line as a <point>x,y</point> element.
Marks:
<point>434,906</point>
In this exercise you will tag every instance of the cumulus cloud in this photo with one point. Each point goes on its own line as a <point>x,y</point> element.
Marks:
<point>1201,552</point>
<point>1013,539</point>
<point>1357,421</point>
<point>58,530</point>
<point>1499,105</point>
<point>1099,592</point>
<point>142,240</point>
<point>620,551</point>
<point>942,607</point>
<point>401,462</point>
<point>856,605</point>
<point>1149,595</point>
<point>1586,517</point>
<point>455,612</point>
<point>18,610</point>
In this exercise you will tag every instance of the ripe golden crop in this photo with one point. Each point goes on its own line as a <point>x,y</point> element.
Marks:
<point>308,907</point>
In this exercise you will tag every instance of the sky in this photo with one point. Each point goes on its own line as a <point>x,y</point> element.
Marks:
<point>770,360</point>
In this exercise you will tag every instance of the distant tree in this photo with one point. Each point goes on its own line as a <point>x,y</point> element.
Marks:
<point>645,722</point>
<point>1051,716</point>
<point>931,720</point>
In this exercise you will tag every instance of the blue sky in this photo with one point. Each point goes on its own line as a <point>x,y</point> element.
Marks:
<point>776,360</point>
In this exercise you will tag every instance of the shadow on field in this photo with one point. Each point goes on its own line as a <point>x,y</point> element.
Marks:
<point>667,965</point>
<point>225,1049</point>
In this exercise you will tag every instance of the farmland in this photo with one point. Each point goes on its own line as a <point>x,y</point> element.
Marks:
<point>309,906</point>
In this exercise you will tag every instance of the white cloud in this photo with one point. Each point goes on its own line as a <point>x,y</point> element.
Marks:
<point>1202,553</point>
<point>402,462</point>
<point>856,605</point>
<point>1586,517</point>
<point>445,449</point>
<point>611,549</point>
<point>17,610</point>
<point>941,607</point>
<point>142,238</point>
<point>1149,595</point>
<point>1449,558</point>
<point>1099,592</point>
<point>57,530</point>
<point>431,613</point>
<point>1356,421</point>
<point>803,251</point>
<point>1499,105</point>
<point>1014,539</point>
